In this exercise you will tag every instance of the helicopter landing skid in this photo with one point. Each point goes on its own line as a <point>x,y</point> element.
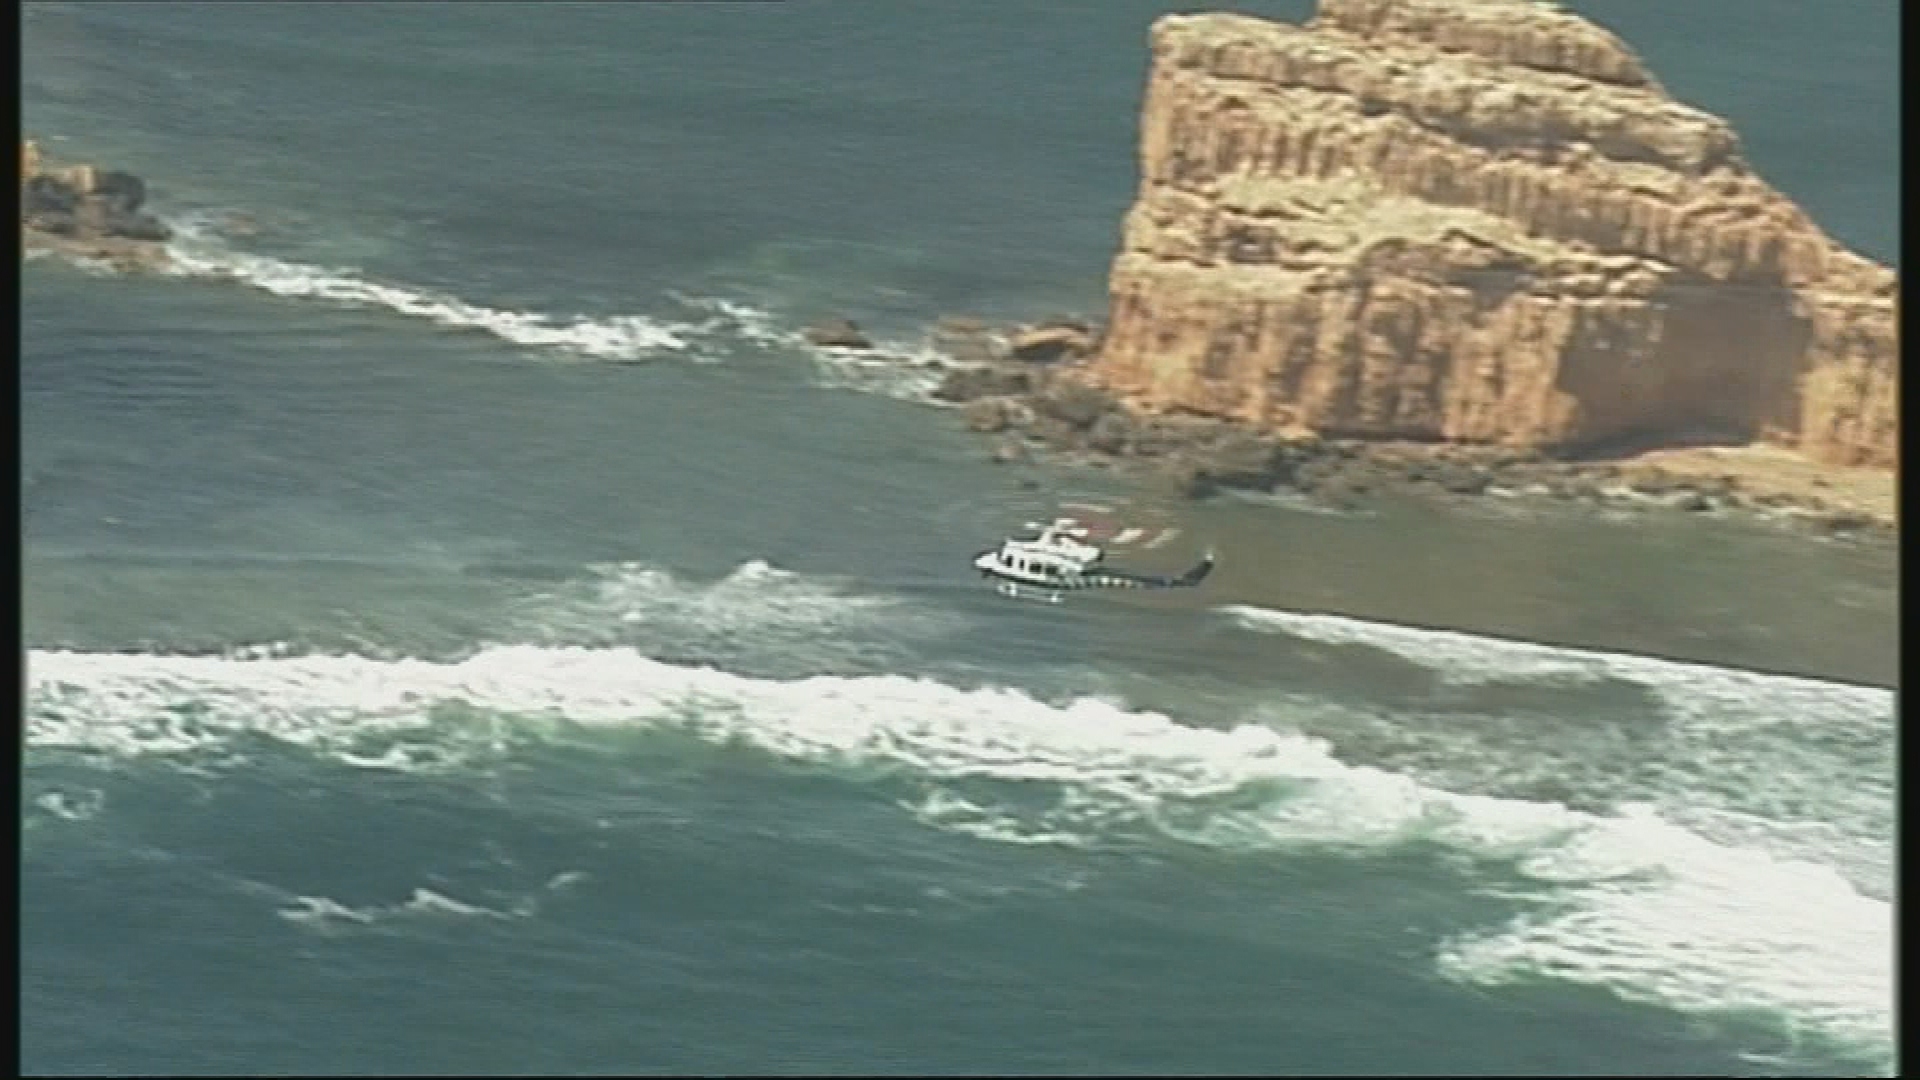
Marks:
<point>1009,589</point>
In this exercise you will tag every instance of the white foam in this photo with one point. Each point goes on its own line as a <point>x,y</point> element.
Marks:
<point>1466,658</point>
<point>619,337</point>
<point>908,372</point>
<point>758,607</point>
<point>82,805</point>
<point>755,594</point>
<point>1458,657</point>
<point>1664,916</point>
<point>946,810</point>
<point>1710,701</point>
<point>1752,783</point>
<point>1797,765</point>
<point>751,323</point>
<point>90,265</point>
<point>326,915</point>
<point>1629,901</point>
<point>904,370</point>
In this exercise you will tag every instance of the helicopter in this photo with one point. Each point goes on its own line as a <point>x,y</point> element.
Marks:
<point>1060,556</point>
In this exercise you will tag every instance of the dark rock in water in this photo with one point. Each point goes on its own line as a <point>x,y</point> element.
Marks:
<point>1566,488</point>
<point>1234,461</point>
<point>1843,523</point>
<point>143,227</point>
<point>1459,478</point>
<point>837,334</point>
<point>1011,452</point>
<point>1314,472</point>
<point>1243,460</point>
<point>968,340</point>
<point>1112,433</point>
<point>1715,487</point>
<point>992,415</point>
<point>1074,403</point>
<point>1347,491</point>
<point>124,190</point>
<point>987,416</point>
<point>1191,479</point>
<point>1151,439</point>
<point>95,216</point>
<point>960,326</point>
<point>1048,430</point>
<point>57,222</point>
<point>973,383</point>
<point>45,194</point>
<point>1692,502</point>
<point>1780,501</point>
<point>106,217</point>
<point>1655,482</point>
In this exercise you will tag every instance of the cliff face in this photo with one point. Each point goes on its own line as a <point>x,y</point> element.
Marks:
<point>1476,220</point>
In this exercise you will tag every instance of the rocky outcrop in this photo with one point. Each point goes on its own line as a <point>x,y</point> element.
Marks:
<point>1478,221</point>
<point>88,212</point>
<point>1047,413</point>
<point>838,333</point>
<point>1054,340</point>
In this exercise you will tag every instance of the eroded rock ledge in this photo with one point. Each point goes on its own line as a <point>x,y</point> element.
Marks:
<point>1476,222</point>
<point>1045,409</point>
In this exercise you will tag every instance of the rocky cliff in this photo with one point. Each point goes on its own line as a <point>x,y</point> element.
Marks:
<point>87,212</point>
<point>1477,221</point>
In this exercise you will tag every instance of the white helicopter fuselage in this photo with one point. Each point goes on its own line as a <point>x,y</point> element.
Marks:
<point>1054,560</point>
<point>1057,560</point>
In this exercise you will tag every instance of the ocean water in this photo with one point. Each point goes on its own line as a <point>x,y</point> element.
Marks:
<point>468,634</point>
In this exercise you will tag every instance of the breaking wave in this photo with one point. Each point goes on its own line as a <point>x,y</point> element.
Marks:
<point>620,337</point>
<point>325,915</point>
<point>758,617</point>
<point>905,370</point>
<point>1799,767</point>
<point>1629,900</point>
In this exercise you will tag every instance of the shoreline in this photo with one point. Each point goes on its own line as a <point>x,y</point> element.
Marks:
<point>1038,405</point>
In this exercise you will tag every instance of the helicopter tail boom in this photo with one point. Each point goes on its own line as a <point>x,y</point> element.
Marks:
<point>1120,579</point>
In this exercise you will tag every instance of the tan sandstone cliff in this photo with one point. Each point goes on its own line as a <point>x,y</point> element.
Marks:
<point>1477,220</point>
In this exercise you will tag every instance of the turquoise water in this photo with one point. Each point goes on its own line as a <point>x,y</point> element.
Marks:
<point>469,634</point>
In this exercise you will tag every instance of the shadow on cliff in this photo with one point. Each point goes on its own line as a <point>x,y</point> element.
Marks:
<point>1724,371</point>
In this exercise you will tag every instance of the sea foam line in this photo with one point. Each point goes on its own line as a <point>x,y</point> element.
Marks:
<point>1463,657</point>
<point>908,371</point>
<point>195,253</point>
<point>1631,901</point>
